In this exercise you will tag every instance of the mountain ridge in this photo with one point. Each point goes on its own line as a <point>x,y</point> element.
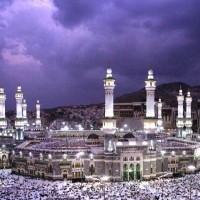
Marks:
<point>167,92</point>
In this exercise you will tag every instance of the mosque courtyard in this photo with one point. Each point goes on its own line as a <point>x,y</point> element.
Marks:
<point>21,188</point>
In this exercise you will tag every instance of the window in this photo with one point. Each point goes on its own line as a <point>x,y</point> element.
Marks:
<point>131,158</point>
<point>125,159</point>
<point>138,158</point>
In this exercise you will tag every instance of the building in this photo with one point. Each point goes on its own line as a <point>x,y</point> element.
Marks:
<point>122,155</point>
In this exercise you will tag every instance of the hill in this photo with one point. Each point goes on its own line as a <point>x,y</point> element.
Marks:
<point>167,92</point>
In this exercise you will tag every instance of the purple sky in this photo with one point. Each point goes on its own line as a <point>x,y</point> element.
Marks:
<point>58,50</point>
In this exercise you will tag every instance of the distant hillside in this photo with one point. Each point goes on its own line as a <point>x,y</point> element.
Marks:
<point>167,92</point>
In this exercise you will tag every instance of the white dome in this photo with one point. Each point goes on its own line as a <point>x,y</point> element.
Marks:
<point>150,72</point>
<point>109,73</point>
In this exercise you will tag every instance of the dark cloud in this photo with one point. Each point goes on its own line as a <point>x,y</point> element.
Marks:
<point>74,13</point>
<point>59,49</point>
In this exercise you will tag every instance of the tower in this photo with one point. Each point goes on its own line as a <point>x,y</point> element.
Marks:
<point>179,120</point>
<point>3,121</point>
<point>19,121</point>
<point>38,119</point>
<point>24,112</point>
<point>160,122</point>
<point>19,98</point>
<point>109,121</point>
<point>150,121</point>
<point>188,118</point>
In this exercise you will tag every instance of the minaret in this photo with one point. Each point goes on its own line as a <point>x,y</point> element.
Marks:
<point>109,85</point>
<point>188,118</point>
<point>3,121</point>
<point>109,121</point>
<point>150,121</point>
<point>179,122</point>
<point>24,112</point>
<point>19,98</point>
<point>19,121</point>
<point>160,122</point>
<point>38,119</point>
<point>150,94</point>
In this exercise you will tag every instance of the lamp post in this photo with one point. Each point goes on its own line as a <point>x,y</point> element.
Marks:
<point>163,153</point>
<point>104,179</point>
<point>191,168</point>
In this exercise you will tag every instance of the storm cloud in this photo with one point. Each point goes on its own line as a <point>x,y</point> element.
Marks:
<point>58,50</point>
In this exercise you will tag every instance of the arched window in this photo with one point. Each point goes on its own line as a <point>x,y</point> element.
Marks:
<point>138,171</point>
<point>131,172</point>
<point>125,172</point>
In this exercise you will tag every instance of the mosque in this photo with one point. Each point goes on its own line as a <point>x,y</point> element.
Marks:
<point>122,156</point>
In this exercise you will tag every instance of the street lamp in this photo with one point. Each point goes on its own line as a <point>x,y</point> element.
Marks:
<point>163,153</point>
<point>104,179</point>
